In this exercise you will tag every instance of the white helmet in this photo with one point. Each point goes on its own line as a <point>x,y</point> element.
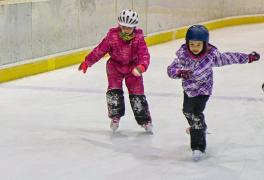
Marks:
<point>128,18</point>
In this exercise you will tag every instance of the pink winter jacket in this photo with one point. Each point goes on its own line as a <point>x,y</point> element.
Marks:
<point>124,56</point>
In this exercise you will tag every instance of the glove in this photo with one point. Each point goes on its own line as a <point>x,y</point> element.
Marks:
<point>83,66</point>
<point>137,71</point>
<point>254,56</point>
<point>184,73</point>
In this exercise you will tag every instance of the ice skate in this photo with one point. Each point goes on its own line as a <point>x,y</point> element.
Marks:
<point>114,124</point>
<point>148,127</point>
<point>197,155</point>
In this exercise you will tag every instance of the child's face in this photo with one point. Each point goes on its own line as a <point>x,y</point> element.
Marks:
<point>196,46</point>
<point>127,30</point>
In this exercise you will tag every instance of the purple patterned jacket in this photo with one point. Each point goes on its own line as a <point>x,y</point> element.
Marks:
<point>201,81</point>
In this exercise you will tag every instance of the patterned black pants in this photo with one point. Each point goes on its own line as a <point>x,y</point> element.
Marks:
<point>193,108</point>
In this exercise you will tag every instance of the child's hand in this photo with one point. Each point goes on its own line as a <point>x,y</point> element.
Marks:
<point>185,73</point>
<point>137,71</point>
<point>83,67</point>
<point>254,56</point>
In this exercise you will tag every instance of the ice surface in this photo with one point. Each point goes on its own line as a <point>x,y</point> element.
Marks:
<point>54,126</point>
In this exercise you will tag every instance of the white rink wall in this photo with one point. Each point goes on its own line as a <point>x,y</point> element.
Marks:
<point>36,28</point>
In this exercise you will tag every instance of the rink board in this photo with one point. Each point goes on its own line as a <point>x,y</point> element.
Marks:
<point>16,71</point>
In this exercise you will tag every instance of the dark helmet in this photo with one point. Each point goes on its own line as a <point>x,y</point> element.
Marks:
<point>198,33</point>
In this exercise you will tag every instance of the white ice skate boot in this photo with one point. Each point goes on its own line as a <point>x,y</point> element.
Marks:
<point>148,127</point>
<point>114,124</point>
<point>197,155</point>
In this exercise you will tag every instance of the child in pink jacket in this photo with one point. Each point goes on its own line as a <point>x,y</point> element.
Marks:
<point>129,58</point>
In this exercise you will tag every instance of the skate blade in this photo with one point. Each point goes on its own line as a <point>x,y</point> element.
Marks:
<point>149,132</point>
<point>196,159</point>
<point>114,129</point>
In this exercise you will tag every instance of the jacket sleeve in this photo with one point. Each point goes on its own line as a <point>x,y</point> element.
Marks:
<point>227,58</point>
<point>143,53</point>
<point>175,66</point>
<point>98,52</point>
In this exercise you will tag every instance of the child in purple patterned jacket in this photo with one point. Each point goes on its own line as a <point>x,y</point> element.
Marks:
<point>193,64</point>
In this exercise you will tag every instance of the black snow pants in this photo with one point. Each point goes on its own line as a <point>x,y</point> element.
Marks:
<point>116,106</point>
<point>193,108</point>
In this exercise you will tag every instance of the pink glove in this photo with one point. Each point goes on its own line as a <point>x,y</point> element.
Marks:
<point>184,73</point>
<point>254,56</point>
<point>138,70</point>
<point>83,67</point>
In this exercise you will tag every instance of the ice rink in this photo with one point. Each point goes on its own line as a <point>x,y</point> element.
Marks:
<point>54,126</point>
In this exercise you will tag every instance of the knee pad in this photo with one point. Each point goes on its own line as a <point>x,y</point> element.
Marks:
<point>140,108</point>
<point>115,103</point>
